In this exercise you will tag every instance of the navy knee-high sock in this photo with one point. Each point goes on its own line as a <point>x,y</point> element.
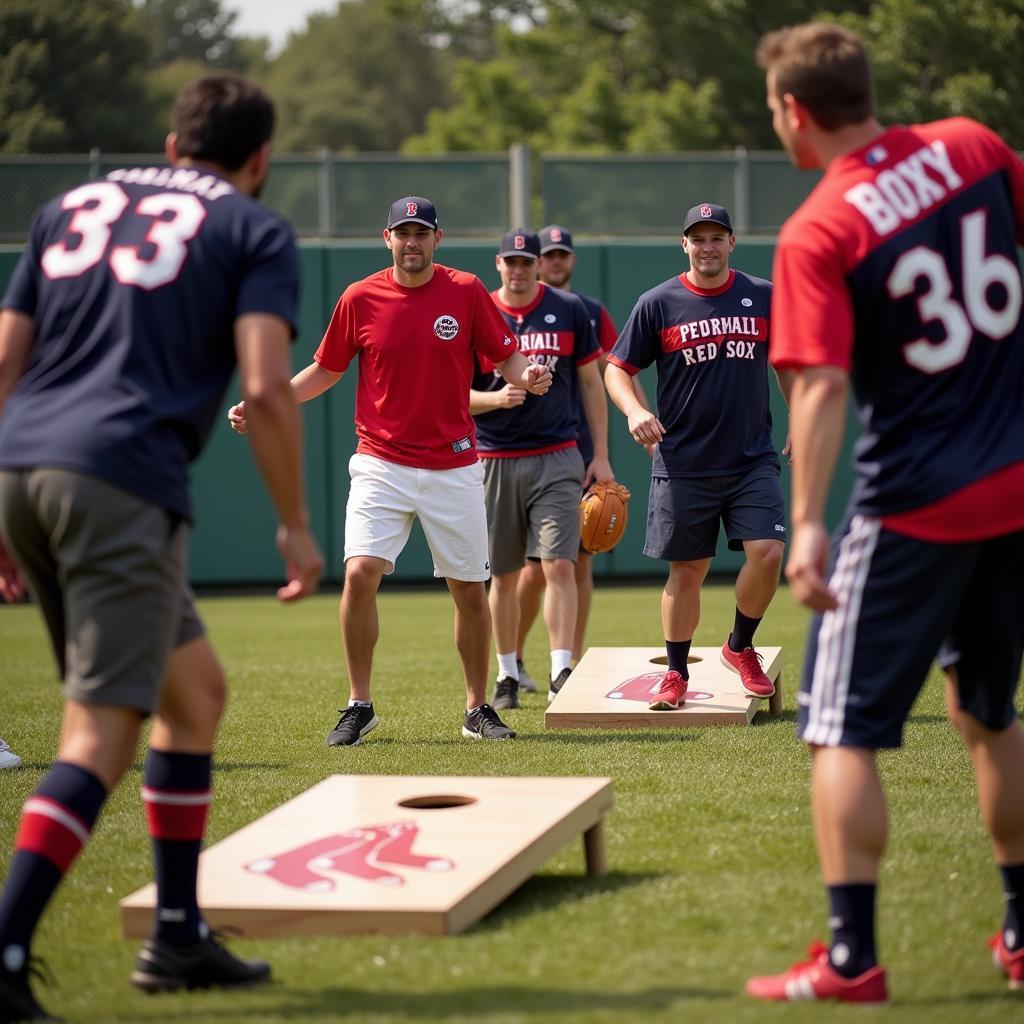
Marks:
<point>56,823</point>
<point>678,654</point>
<point>742,635</point>
<point>852,920</point>
<point>176,792</point>
<point>1013,892</point>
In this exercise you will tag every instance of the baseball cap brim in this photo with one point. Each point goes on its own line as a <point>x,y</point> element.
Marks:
<point>413,220</point>
<point>555,247</point>
<point>518,252</point>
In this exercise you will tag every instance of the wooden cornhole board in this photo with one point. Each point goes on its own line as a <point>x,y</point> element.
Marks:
<point>611,687</point>
<point>389,854</point>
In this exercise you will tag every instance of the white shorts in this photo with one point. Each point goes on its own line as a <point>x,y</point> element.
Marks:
<point>385,497</point>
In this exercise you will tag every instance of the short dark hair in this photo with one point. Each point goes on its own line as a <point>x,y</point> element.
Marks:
<point>222,119</point>
<point>825,67</point>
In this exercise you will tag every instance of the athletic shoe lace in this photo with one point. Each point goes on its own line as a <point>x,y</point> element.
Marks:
<point>750,660</point>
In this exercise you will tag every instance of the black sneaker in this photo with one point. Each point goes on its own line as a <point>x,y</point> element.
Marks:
<point>483,723</point>
<point>557,683</point>
<point>526,683</point>
<point>162,967</point>
<point>16,1000</point>
<point>354,724</point>
<point>506,694</point>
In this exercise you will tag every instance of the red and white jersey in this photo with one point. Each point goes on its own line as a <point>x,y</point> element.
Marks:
<point>415,348</point>
<point>901,268</point>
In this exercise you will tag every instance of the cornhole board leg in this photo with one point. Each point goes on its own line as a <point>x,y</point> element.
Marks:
<point>593,850</point>
<point>775,700</point>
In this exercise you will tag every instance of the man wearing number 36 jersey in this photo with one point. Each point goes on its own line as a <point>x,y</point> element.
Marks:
<point>899,277</point>
<point>120,329</point>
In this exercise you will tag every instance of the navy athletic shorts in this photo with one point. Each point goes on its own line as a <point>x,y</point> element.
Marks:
<point>902,604</point>
<point>683,514</point>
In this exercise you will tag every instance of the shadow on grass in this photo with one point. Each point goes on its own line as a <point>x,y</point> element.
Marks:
<point>602,736</point>
<point>766,718</point>
<point>477,1003</point>
<point>228,766</point>
<point>547,892</point>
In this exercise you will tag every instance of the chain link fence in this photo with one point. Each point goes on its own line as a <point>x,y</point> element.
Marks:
<point>328,195</point>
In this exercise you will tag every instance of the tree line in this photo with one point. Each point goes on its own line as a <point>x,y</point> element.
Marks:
<point>429,76</point>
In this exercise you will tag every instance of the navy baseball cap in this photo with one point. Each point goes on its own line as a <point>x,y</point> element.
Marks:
<point>554,237</point>
<point>707,213</point>
<point>412,210</point>
<point>520,242</point>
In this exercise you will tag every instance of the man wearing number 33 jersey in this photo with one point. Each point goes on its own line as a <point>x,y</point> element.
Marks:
<point>899,276</point>
<point>119,333</point>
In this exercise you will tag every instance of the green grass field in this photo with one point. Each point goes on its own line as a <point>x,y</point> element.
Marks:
<point>713,870</point>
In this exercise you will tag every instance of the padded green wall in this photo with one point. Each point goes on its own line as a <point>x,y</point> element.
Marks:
<point>233,538</point>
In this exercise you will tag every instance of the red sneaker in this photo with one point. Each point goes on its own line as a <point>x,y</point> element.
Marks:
<point>747,664</point>
<point>1011,964</point>
<point>815,979</point>
<point>672,693</point>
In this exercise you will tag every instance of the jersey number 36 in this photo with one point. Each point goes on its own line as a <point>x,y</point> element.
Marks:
<point>936,302</point>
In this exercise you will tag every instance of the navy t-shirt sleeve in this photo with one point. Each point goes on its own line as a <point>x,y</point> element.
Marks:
<point>271,280</point>
<point>637,346</point>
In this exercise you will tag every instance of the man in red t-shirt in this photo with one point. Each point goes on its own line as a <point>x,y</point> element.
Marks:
<point>899,277</point>
<point>415,327</point>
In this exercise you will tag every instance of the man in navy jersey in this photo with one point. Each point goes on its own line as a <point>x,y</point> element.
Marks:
<point>707,332</point>
<point>533,470</point>
<point>899,276</point>
<point>557,262</point>
<point>119,333</point>
<point>415,328</point>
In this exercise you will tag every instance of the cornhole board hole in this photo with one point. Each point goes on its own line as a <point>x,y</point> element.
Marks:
<point>611,687</point>
<point>389,854</point>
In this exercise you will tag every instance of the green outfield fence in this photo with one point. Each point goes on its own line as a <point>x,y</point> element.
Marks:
<point>330,195</point>
<point>232,540</point>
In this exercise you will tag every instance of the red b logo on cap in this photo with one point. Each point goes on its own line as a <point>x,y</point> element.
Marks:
<point>410,209</point>
<point>556,235</point>
<point>520,242</point>
<point>705,210</point>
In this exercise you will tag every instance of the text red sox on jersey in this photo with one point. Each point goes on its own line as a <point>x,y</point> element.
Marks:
<point>701,341</point>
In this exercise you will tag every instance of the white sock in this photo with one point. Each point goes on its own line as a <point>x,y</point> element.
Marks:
<point>360,703</point>
<point>560,660</point>
<point>507,666</point>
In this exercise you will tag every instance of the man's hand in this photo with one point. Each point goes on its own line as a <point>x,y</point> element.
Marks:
<point>599,471</point>
<point>12,583</point>
<point>644,427</point>
<point>806,565</point>
<point>536,379</point>
<point>236,417</point>
<point>302,560</point>
<point>787,449</point>
<point>509,397</point>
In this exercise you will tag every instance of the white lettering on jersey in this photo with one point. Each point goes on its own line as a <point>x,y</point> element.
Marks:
<point>717,327</point>
<point>902,192</point>
<point>183,178</point>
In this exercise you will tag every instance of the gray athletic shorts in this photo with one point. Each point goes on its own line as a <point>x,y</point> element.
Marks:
<point>108,571</point>
<point>533,507</point>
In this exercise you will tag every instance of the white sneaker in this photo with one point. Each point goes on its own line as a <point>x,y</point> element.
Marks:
<point>8,758</point>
